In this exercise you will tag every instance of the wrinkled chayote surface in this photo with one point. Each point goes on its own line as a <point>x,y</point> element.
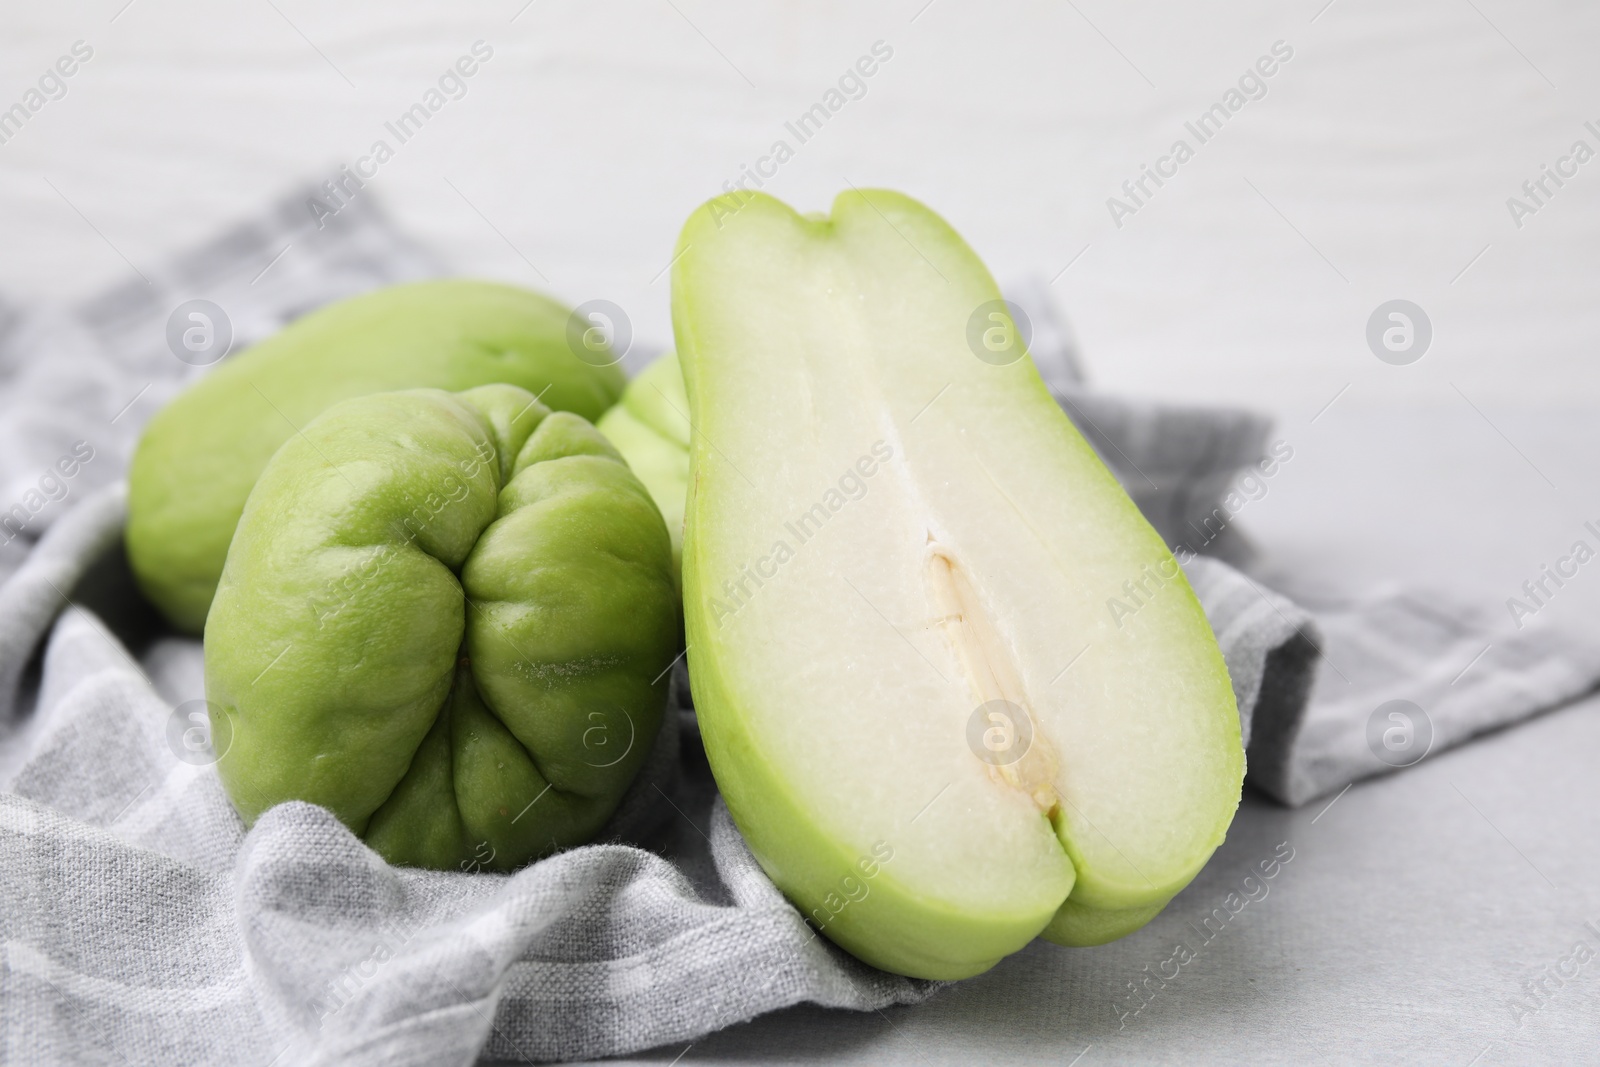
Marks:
<point>201,454</point>
<point>446,618</point>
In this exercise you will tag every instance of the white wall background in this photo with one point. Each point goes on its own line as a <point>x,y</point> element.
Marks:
<point>1383,154</point>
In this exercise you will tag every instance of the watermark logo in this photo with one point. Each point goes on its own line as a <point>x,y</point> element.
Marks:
<point>199,332</point>
<point>851,486</point>
<point>336,993</point>
<point>51,86</point>
<point>339,592</point>
<point>852,888</point>
<point>189,733</point>
<point>603,739</point>
<point>999,732</point>
<point>53,485</point>
<point>850,86</point>
<point>599,333</point>
<point>1540,988</point>
<point>1139,992</point>
<point>998,332</point>
<point>1541,189</point>
<point>1151,580</point>
<point>1252,85</point>
<point>1247,488</point>
<point>481,858</point>
<point>342,189</point>
<point>1552,578</point>
<point>1399,733</point>
<point>1399,332</point>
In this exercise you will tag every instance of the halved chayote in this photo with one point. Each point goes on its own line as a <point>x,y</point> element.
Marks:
<point>447,618</point>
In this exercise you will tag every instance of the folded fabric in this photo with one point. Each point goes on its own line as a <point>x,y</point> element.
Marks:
<point>89,374</point>
<point>143,924</point>
<point>1407,671</point>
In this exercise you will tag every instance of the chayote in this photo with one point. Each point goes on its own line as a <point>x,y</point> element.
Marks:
<point>650,427</point>
<point>201,454</point>
<point>447,618</point>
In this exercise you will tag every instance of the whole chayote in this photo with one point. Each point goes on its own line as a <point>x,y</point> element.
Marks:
<point>650,427</point>
<point>447,618</point>
<point>201,454</point>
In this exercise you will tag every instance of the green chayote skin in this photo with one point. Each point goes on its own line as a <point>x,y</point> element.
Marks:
<point>650,427</point>
<point>201,454</point>
<point>447,618</point>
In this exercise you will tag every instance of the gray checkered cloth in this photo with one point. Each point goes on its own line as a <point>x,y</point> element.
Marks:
<point>140,923</point>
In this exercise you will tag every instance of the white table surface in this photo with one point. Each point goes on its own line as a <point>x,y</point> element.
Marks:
<point>1377,166</point>
<point>1389,145</point>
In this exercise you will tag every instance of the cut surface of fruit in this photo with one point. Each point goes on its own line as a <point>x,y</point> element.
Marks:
<point>929,634</point>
